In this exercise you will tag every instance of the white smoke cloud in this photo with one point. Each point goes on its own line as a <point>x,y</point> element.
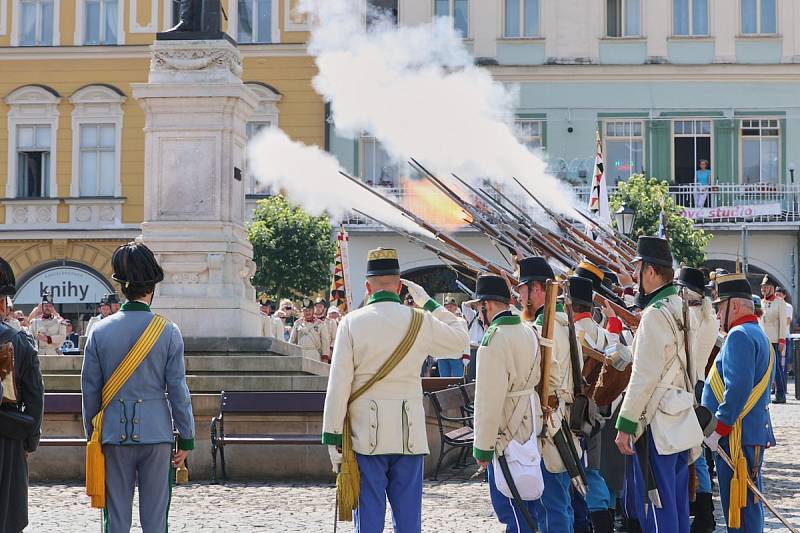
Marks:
<point>417,90</point>
<point>310,177</point>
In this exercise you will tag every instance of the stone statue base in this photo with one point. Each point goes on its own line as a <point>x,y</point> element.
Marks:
<point>196,107</point>
<point>194,36</point>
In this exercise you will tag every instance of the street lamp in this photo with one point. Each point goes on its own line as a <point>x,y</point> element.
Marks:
<point>624,217</point>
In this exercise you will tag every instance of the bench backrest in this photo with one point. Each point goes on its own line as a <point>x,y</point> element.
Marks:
<point>272,402</point>
<point>63,403</point>
<point>468,390</point>
<point>447,399</point>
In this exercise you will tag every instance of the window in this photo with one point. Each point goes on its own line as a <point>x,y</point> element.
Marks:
<point>265,115</point>
<point>255,21</point>
<point>623,18</point>
<point>33,161</point>
<point>759,17</point>
<point>377,168</point>
<point>691,143</point>
<point>690,17</point>
<point>101,22</point>
<point>97,159</point>
<point>36,18</point>
<point>378,10</point>
<point>529,133</point>
<point>458,9</point>
<point>624,155</point>
<point>760,151</point>
<point>521,18</point>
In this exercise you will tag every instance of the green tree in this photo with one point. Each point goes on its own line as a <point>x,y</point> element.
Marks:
<point>293,250</point>
<point>649,197</point>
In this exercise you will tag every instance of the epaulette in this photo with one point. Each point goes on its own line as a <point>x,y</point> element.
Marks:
<point>488,335</point>
<point>658,305</point>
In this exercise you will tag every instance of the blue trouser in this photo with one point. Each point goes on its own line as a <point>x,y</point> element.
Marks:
<point>580,511</point>
<point>450,368</point>
<point>149,466</point>
<point>554,509</point>
<point>752,516</point>
<point>703,475</point>
<point>598,497</point>
<point>398,477</point>
<point>780,375</point>
<point>505,509</point>
<point>671,473</point>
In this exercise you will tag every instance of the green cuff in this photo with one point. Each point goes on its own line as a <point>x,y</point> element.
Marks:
<point>333,439</point>
<point>482,455</point>
<point>185,444</point>
<point>431,305</point>
<point>627,426</point>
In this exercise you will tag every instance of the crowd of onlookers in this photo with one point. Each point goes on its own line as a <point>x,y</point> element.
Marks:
<point>312,325</point>
<point>52,333</point>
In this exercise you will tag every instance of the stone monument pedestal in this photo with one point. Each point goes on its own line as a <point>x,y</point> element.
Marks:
<point>196,107</point>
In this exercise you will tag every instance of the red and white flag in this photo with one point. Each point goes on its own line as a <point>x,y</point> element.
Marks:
<point>598,199</point>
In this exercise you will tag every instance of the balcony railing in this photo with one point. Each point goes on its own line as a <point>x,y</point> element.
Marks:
<point>716,204</point>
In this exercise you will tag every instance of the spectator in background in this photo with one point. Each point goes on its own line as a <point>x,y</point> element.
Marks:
<point>476,329</point>
<point>113,302</point>
<point>780,292</point>
<point>271,326</point>
<point>311,334</point>
<point>289,313</point>
<point>702,179</point>
<point>333,318</point>
<point>454,367</point>
<point>71,342</point>
<point>103,311</point>
<point>46,327</point>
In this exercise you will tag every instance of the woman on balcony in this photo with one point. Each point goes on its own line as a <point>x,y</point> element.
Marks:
<point>702,179</point>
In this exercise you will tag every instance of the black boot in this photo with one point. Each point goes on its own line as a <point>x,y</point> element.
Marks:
<point>704,514</point>
<point>602,522</point>
<point>186,15</point>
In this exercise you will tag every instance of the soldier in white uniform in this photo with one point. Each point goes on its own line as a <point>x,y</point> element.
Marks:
<point>383,420</point>
<point>657,412</point>
<point>506,407</point>
<point>311,334</point>
<point>47,330</point>
<point>271,326</point>
<point>104,310</point>
<point>776,326</point>
<point>321,315</point>
<point>554,509</point>
<point>449,367</point>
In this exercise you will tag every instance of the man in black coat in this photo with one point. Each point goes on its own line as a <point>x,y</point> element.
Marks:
<point>14,453</point>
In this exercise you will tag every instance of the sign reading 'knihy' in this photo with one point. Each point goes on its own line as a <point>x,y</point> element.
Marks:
<point>67,285</point>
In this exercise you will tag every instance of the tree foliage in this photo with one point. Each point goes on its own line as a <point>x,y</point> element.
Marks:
<point>648,197</point>
<point>293,250</point>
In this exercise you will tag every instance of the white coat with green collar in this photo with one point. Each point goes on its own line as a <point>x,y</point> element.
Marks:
<point>389,418</point>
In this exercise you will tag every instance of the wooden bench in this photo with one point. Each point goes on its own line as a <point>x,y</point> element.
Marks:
<point>260,403</point>
<point>459,439</point>
<point>63,404</point>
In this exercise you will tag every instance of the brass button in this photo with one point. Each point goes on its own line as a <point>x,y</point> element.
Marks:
<point>373,425</point>
<point>122,437</point>
<point>139,400</point>
<point>136,437</point>
<point>136,420</point>
<point>372,407</point>
<point>122,420</point>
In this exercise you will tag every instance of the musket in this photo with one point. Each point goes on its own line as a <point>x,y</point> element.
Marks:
<point>548,330</point>
<point>624,242</point>
<point>630,318</point>
<point>437,234</point>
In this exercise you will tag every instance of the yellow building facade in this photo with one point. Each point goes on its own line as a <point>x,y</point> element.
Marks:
<point>71,134</point>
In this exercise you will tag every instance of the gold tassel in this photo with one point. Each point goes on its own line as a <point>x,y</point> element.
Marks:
<point>96,465</point>
<point>348,482</point>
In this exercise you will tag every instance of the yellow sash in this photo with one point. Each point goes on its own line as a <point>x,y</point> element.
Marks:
<point>348,482</point>
<point>738,489</point>
<point>95,461</point>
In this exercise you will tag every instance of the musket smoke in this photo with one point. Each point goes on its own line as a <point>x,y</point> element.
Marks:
<point>417,90</point>
<point>310,177</point>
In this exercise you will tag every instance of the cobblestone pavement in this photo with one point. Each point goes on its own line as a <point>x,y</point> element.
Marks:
<point>454,504</point>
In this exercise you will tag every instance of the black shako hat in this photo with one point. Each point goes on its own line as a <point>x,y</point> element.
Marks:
<point>592,272</point>
<point>112,298</point>
<point>691,278</point>
<point>491,287</point>
<point>383,262</point>
<point>534,268</point>
<point>580,290</point>
<point>733,286</point>
<point>653,250</point>
<point>767,281</point>
<point>8,283</point>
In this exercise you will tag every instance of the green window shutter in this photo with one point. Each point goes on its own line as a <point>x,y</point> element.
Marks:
<point>782,172</point>
<point>724,170</point>
<point>659,149</point>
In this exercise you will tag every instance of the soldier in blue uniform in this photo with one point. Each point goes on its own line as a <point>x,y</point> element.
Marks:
<point>137,428</point>
<point>738,392</point>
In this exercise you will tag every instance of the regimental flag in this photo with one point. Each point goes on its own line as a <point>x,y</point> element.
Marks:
<point>341,295</point>
<point>598,199</point>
